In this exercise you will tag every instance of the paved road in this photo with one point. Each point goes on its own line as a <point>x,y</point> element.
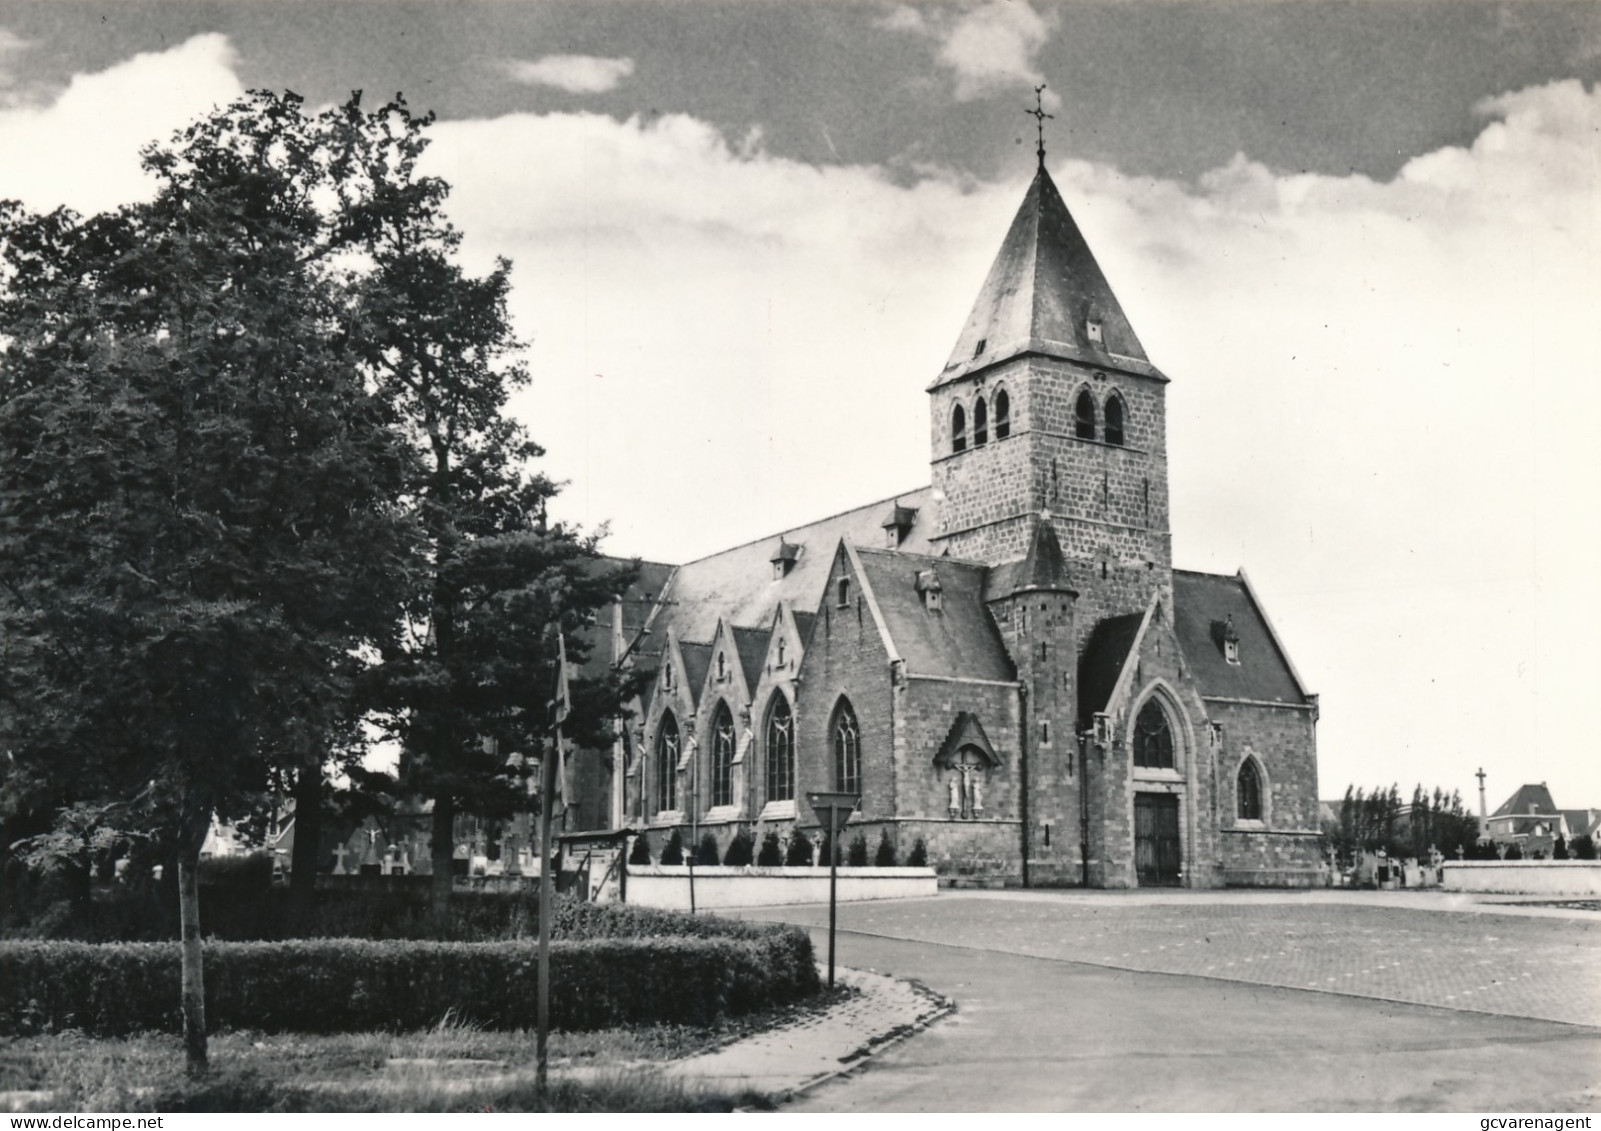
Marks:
<point>1073,1002</point>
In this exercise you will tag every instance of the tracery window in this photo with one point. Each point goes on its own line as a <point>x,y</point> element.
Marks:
<point>722,756</point>
<point>1153,738</point>
<point>1084,416</point>
<point>847,749</point>
<point>667,752</point>
<point>981,423</point>
<point>1003,414</point>
<point>1248,792</point>
<point>780,751</point>
<point>958,429</point>
<point>1114,419</point>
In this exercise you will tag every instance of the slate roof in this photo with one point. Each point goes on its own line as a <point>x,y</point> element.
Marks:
<point>1204,600</point>
<point>960,639</point>
<point>637,601</point>
<point>1102,662</point>
<point>803,626</point>
<point>752,646</point>
<point>1528,799</point>
<point>1039,291</point>
<point>739,583</point>
<point>697,659</point>
<point>1044,567</point>
<point>1582,822</point>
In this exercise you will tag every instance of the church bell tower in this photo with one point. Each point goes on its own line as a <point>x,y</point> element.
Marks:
<point>1049,409</point>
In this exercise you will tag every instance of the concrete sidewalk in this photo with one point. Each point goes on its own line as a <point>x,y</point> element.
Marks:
<point>792,1057</point>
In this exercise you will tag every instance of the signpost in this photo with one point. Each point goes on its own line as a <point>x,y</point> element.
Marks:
<point>832,810</point>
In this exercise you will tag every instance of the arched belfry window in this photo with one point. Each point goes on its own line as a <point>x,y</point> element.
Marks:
<point>1153,738</point>
<point>1084,416</point>
<point>667,752</point>
<point>722,756</point>
<point>958,429</point>
<point>981,423</point>
<point>1114,419</point>
<point>847,738</point>
<point>1248,792</point>
<point>1003,414</point>
<point>780,751</point>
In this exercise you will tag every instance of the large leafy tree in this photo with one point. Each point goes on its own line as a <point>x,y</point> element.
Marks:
<point>200,530</point>
<point>467,690</point>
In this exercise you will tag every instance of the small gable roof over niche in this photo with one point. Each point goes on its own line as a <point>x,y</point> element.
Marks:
<point>1264,672</point>
<point>966,731</point>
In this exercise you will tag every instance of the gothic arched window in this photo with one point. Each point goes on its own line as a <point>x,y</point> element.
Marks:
<point>1248,792</point>
<point>981,423</point>
<point>667,752</point>
<point>958,429</point>
<point>780,751</point>
<point>1114,419</point>
<point>847,749</point>
<point>1084,416</point>
<point>1003,414</point>
<point>722,756</point>
<point>1153,738</point>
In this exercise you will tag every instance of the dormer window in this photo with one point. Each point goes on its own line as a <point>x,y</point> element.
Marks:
<point>897,525</point>
<point>1092,330</point>
<point>928,587</point>
<point>784,559</point>
<point>1226,639</point>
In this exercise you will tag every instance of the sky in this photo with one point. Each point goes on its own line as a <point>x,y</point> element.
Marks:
<point>1362,239</point>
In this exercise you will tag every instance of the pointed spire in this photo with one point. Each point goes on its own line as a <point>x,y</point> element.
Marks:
<point>1046,294</point>
<point>1045,567</point>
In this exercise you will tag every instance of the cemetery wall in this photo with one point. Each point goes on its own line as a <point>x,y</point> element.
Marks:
<point>1524,877</point>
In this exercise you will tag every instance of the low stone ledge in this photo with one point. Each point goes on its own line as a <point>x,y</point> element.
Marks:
<point>720,886</point>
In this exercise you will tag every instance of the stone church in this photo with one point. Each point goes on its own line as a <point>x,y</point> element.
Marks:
<point>1004,664</point>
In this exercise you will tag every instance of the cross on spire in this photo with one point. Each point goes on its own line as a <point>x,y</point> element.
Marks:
<point>1039,115</point>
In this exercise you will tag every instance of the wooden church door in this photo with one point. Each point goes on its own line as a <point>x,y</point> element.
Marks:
<point>1156,839</point>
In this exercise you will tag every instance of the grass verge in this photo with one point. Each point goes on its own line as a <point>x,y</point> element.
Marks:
<point>451,1068</point>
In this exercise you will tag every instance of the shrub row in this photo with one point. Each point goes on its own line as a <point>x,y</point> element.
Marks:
<point>352,985</point>
<point>148,912</point>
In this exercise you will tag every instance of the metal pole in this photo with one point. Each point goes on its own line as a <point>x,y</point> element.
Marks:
<point>833,873</point>
<point>547,784</point>
<point>694,820</point>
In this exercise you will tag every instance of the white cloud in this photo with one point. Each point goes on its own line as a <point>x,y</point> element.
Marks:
<point>989,49</point>
<point>576,74</point>
<point>82,149</point>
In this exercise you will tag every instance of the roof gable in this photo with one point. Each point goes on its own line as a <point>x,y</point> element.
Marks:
<point>1204,601</point>
<point>960,639</point>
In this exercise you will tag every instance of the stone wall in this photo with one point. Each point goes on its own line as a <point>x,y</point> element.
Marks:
<point>1533,877</point>
<point>1283,742</point>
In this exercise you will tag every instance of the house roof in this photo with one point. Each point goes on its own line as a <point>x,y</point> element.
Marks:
<point>960,639</point>
<point>739,584</point>
<point>1205,607</point>
<point>1041,291</point>
<point>1529,799</point>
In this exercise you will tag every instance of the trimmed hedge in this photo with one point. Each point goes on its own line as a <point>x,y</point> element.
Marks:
<point>344,985</point>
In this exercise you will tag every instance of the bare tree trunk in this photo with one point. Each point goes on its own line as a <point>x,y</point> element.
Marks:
<point>442,851</point>
<point>308,838</point>
<point>193,993</point>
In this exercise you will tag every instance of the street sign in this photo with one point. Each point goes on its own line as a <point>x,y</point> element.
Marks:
<point>832,810</point>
